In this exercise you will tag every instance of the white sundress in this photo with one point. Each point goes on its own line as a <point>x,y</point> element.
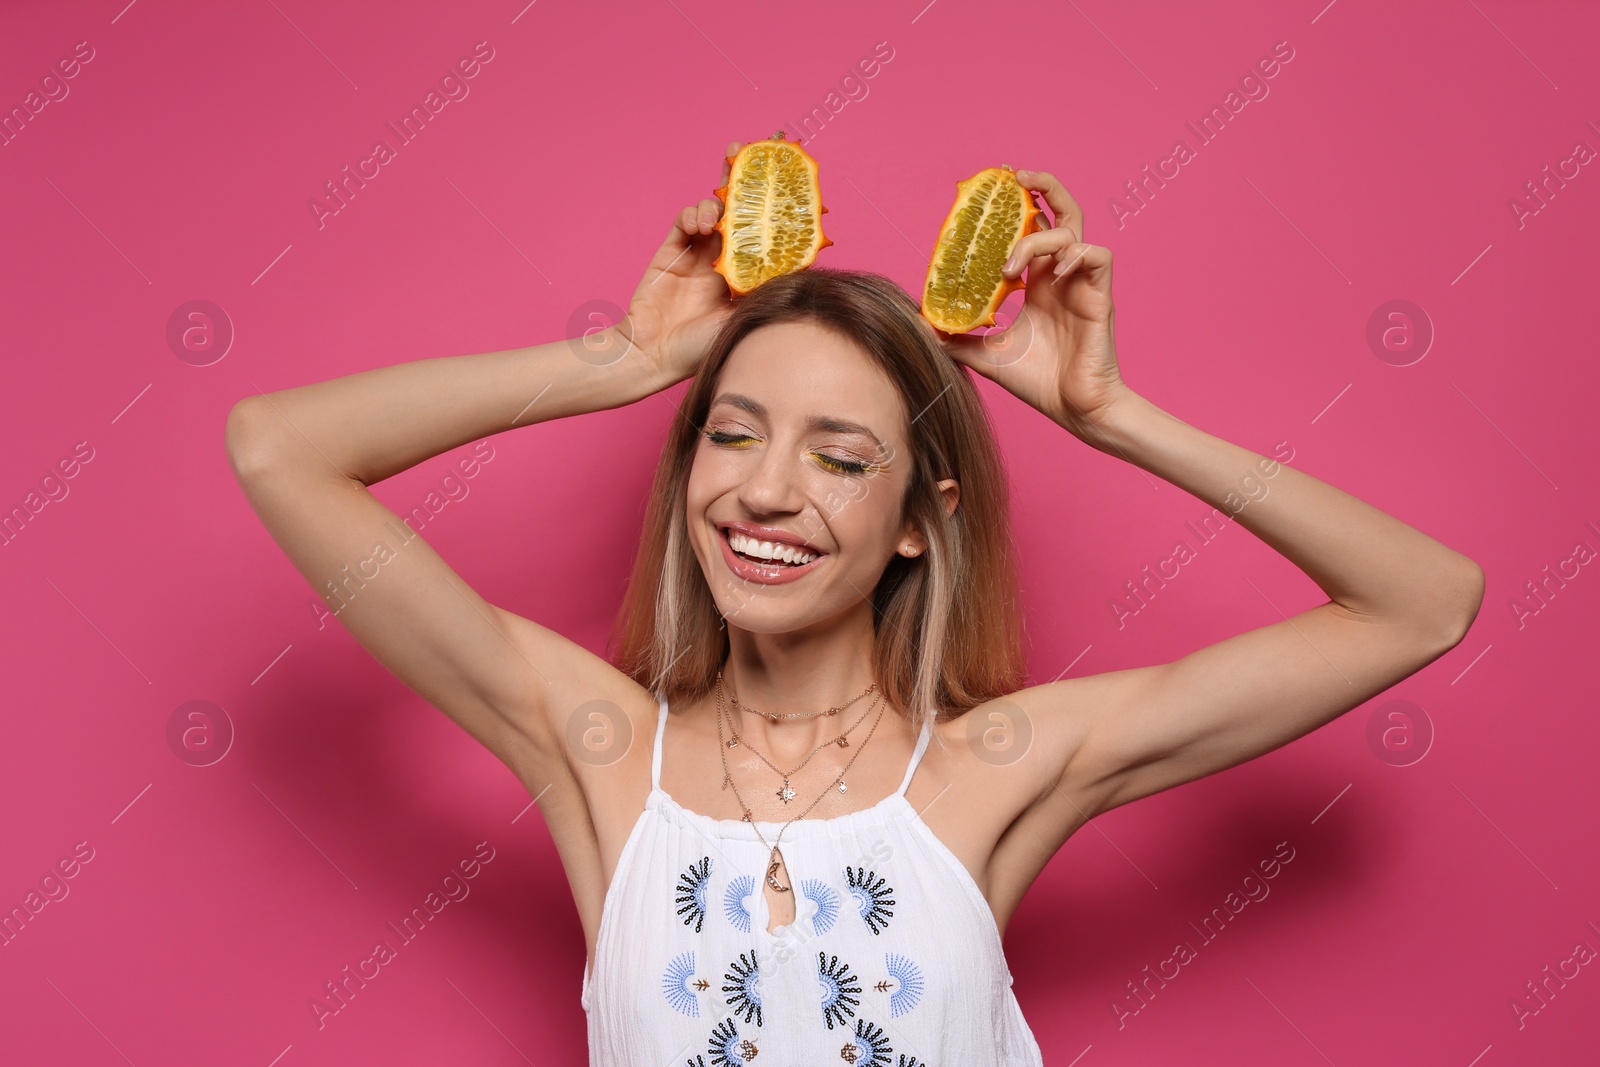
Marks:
<point>893,958</point>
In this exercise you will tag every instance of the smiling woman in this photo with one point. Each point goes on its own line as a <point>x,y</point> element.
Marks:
<point>827,415</point>
<point>823,608</point>
<point>828,517</point>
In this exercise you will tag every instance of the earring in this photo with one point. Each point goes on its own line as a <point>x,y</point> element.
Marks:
<point>908,550</point>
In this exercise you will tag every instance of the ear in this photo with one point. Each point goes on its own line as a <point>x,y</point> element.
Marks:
<point>914,543</point>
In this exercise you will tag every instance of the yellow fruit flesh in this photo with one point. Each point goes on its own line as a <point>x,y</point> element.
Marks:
<point>772,216</point>
<point>965,277</point>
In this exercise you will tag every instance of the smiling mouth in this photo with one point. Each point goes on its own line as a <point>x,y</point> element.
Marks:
<point>768,553</point>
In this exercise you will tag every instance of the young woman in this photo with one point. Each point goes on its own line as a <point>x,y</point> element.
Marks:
<point>799,808</point>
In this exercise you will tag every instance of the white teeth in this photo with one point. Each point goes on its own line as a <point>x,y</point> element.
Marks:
<point>771,550</point>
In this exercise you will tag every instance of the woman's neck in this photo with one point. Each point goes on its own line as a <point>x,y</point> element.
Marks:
<point>783,674</point>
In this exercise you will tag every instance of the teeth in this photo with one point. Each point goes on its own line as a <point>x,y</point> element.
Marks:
<point>770,550</point>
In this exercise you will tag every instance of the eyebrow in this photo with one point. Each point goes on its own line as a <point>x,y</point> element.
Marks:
<point>814,422</point>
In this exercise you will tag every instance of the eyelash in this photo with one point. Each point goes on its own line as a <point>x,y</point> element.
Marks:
<point>838,466</point>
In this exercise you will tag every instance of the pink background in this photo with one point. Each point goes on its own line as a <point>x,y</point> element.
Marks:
<point>1381,165</point>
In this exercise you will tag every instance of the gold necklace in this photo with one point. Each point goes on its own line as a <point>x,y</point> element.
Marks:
<point>734,697</point>
<point>786,794</point>
<point>774,856</point>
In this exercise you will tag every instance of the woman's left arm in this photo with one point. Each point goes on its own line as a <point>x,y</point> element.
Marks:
<point>1398,599</point>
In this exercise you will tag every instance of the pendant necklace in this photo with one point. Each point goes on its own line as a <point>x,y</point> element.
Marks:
<point>734,699</point>
<point>786,794</point>
<point>775,857</point>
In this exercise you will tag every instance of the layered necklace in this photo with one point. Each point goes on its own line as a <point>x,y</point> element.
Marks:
<point>787,794</point>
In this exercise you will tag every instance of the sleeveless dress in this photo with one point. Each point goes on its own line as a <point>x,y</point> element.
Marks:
<point>893,958</point>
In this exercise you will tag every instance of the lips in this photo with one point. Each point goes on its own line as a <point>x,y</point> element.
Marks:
<point>766,573</point>
<point>768,533</point>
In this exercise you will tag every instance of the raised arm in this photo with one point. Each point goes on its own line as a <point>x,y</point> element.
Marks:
<point>306,456</point>
<point>1397,598</point>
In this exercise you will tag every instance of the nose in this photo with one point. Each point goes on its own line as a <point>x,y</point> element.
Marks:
<point>773,486</point>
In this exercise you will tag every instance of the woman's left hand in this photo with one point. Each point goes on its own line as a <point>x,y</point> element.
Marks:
<point>1060,354</point>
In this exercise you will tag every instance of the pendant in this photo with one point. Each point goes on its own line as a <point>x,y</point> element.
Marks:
<point>772,879</point>
<point>785,794</point>
<point>733,742</point>
<point>842,742</point>
<point>842,787</point>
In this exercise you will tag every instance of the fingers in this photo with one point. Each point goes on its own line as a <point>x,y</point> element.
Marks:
<point>688,222</point>
<point>733,150</point>
<point>1063,254</point>
<point>1061,228</point>
<point>1043,243</point>
<point>707,213</point>
<point>1091,261</point>
<point>1065,212</point>
<point>701,219</point>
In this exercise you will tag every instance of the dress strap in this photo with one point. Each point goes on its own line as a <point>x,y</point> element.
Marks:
<point>916,755</point>
<point>655,754</point>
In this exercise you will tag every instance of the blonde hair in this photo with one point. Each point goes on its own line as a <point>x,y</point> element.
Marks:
<point>947,629</point>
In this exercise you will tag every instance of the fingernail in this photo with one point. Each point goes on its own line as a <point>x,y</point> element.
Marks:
<point>1011,265</point>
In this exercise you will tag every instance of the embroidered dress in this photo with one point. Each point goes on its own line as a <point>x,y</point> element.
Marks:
<point>893,958</point>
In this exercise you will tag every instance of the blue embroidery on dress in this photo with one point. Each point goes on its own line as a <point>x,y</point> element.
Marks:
<point>908,977</point>
<point>697,1061</point>
<point>837,986</point>
<point>872,895</point>
<point>733,902</point>
<point>742,984</point>
<point>869,1048</point>
<point>826,900</point>
<point>691,896</point>
<point>675,984</point>
<point>727,1048</point>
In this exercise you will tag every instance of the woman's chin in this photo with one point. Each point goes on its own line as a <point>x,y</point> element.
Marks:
<point>754,620</point>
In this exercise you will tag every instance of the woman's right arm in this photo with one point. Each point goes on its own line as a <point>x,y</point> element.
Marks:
<point>306,456</point>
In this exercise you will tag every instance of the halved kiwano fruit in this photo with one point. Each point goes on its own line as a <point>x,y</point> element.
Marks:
<point>965,287</point>
<point>772,210</point>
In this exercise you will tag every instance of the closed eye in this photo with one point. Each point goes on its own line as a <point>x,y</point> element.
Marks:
<point>827,462</point>
<point>841,466</point>
<point>722,437</point>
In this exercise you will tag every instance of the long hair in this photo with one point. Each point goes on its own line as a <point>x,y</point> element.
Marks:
<point>947,628</point>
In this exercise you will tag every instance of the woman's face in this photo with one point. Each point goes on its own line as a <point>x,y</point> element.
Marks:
<point>804,448</point>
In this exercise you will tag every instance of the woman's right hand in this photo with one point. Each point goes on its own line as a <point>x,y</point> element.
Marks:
<point>681,301</point>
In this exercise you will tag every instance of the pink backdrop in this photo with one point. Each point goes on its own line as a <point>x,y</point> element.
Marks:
<point>1442,849</point>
